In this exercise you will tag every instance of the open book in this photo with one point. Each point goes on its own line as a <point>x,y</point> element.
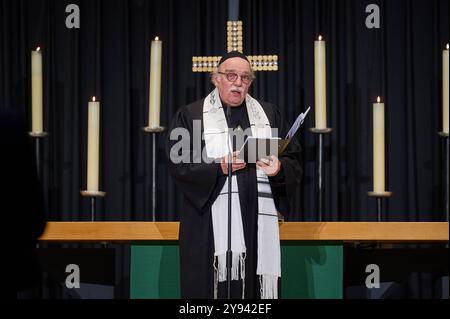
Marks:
<point>255,148</point>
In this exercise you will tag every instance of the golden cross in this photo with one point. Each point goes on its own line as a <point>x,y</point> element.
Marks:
<point>234,43</point>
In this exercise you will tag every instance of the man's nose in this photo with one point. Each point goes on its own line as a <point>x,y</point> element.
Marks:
<point>238,81</point>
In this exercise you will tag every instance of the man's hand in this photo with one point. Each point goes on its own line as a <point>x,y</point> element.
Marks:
<point>237,164</point>
<point>271,167</point>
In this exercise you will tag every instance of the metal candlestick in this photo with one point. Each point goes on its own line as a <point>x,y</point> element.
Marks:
<point>154,131</point>
<point>93,196</point>
<point>379,197</point>
<point>445,171</point>
<point>319,159</point>
<point>37,137</point>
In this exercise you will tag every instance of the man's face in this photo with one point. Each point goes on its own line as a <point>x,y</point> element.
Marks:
<point>233,92</point>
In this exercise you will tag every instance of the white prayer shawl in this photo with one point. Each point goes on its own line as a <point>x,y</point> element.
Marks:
<point>218,145</point>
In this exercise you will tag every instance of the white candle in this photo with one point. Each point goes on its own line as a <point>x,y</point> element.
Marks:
<point>445,84</point>
<point>36,91</point>
<point>378,147</point>
<point>155,83</point>
<point>320,83</point>
<point>93,145</point>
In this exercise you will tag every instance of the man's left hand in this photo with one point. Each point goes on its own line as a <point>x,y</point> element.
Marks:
<point>270,166</point>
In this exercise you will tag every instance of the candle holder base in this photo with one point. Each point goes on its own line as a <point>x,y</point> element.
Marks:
<point>38,134</point>
<point>93,193</point>
<point>156,129</point>
<point>326,130</point>
<point>379,194</point>
<point>443,134</point>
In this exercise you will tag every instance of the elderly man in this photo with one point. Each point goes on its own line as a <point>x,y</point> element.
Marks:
<point>259,190</point>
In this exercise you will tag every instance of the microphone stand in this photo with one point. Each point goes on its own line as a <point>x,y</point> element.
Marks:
<point>230,176</point>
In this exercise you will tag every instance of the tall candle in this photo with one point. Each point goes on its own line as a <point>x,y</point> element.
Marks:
<point>93,145</point>
<point>155,83</point>
<point>378,147</point>
<point>36,91</point>
<point>320,83</point>
<point>445,84</point>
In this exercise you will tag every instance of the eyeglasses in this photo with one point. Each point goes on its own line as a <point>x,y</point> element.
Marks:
<point>231,76</point>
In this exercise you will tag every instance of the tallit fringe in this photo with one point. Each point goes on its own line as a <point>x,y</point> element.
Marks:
<point>242,260</point>
<point>235,266</point>
<point>269,286</point>
<point>216,277</point>
<point>237,270</point>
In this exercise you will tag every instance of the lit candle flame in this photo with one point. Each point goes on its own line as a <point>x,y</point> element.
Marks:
<point>39,48</point>
<point>320,38</point>
<point>156,38</point>
<point>446,47</point>
<point>378,99</point>
<point>93,99</point>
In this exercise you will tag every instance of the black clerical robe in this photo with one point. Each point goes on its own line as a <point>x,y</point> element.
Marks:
<point>201,183</point>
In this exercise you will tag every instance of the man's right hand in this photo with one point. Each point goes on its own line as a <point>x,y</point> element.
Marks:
<point>236,165</point>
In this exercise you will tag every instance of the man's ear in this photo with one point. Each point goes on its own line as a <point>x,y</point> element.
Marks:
<point>214,79</point>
